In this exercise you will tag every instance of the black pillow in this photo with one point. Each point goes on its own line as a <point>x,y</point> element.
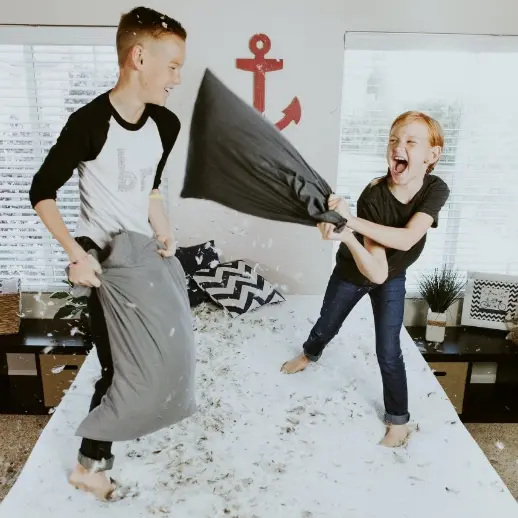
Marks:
<point>194,258</point>
<point>240,160</point>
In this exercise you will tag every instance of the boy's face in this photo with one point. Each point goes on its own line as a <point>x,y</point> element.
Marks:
<point>159,63</point>
<point>409,153</point>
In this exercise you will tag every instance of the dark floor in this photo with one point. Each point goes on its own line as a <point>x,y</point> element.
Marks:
<point>500,444</point>
<point>18,435</point>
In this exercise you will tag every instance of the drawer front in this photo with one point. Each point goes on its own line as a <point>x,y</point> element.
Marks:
<point>54,383</point>
<point>452,376</point>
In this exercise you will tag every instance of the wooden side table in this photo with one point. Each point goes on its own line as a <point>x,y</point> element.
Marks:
<point>453,362</point>
<point>38,363</point>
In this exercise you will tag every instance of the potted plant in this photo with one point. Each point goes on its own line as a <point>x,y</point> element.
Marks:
<point>75,309</point>
<point>440,288</point>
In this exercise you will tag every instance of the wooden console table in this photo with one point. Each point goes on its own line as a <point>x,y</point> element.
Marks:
<point>453,361</point>
<point>37,364</point>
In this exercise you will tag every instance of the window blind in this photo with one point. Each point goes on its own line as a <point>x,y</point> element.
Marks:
<point>41,84</point>
<point>472,94</point>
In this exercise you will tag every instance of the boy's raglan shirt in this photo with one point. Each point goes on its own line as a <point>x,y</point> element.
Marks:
<point>119,164</point>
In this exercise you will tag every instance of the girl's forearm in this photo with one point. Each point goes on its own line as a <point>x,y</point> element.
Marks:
<point>390,237</point>
<point>371,267</point>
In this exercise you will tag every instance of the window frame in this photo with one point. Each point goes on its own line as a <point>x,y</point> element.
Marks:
<point>382,41</point>
<point>56,35</point>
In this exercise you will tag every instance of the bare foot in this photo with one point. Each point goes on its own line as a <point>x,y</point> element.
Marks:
<point>297,364</point>
<point>97,483</point>
<point>396,436</point>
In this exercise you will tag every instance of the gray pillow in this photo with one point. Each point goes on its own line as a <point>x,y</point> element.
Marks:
<point>149,321</point>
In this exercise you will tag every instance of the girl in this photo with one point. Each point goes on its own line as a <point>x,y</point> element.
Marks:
<point>394,213</point>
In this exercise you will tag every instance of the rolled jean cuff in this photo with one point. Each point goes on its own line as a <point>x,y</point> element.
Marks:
<point>95,466</point>
<point>312,357</point>
<point>397,419</point>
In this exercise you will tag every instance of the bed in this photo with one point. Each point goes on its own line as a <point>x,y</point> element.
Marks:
<point>264,444</point>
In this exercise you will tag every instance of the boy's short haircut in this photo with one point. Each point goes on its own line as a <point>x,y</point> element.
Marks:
<point>141,22</point>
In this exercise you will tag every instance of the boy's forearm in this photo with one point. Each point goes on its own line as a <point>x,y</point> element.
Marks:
<point>158,218</point>
<point>389,237</point>
<point>368,265</point>
<point>49,214</point>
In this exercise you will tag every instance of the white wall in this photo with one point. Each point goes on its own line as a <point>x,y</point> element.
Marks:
<point>218,34</point>
<point>440,16</point>
<point>309,37</point>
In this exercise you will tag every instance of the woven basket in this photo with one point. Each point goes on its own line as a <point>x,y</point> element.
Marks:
<point>10,306</point>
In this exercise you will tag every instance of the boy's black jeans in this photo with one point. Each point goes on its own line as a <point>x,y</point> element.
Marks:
<point>388,304</point>
<point>96,455</point>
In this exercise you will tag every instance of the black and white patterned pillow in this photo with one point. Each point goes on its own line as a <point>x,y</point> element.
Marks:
<point>194,258</point>
<point>237,288</point>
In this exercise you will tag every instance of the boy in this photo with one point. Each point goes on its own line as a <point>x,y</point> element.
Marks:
<point>119,142</point>
<point>394,215</point>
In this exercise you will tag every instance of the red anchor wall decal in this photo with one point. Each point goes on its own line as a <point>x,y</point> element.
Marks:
<point>260,45</point>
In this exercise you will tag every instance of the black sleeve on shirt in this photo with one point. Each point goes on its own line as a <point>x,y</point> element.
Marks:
<point>59,164</point>
<point>434,200</point>
<point>168,125</point>
<point>80,140</point>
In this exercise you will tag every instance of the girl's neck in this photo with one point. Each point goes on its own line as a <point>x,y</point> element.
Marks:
<point>405,193</point>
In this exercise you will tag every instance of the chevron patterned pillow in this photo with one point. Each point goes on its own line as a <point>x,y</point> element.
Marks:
<point>237,288</point>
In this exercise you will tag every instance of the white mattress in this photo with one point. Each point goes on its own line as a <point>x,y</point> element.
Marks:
<point>265,444</point>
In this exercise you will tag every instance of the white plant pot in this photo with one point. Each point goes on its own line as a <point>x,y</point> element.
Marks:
<point>435,326</point>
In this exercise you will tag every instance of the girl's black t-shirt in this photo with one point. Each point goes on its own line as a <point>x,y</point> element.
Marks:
<point>379,205</point>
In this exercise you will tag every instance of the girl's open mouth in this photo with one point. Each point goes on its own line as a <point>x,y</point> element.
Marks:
<point>400,164</point>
